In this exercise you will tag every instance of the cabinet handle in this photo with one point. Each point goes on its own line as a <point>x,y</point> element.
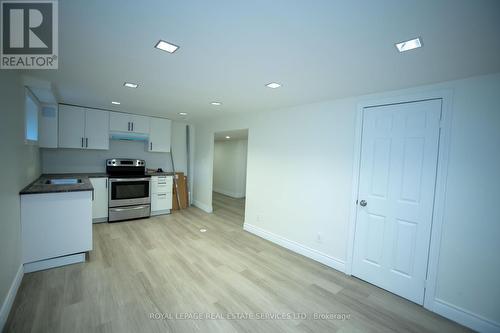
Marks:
<point>128,124</point>
<point>150,146</point>
<point>132,127</point>
<point>86,142</point>
<point>82,142</point>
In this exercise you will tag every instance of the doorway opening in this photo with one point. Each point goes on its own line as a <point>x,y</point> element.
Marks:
<point>230,175</point>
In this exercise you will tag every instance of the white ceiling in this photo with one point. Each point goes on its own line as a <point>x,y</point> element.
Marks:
<point>230,49</point>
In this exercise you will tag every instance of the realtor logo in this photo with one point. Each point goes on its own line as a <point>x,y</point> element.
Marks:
<point>29,33</point>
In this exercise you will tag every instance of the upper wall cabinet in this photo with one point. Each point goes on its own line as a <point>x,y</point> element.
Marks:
<point>159,135</point>
<point>83,128</point>
<point>124,122</point>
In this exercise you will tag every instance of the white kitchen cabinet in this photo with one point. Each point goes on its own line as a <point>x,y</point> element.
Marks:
<point>161,194</point>
<point>119,122</point>
<point>125,122</point>
<point>140,124</point>
<point>96,129</point>
<point>100,199</point>
<point>159,135</point>
<point>83,128</point>
<point>71,127</point>
<point>56,228</point>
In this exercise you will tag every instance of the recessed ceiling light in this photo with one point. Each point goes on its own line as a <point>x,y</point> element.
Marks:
<point>130,85</point>
<point>409,45</point>
<point>182,113</point>
<point>228,137</point>
<point>216,103</point>
<point>166,46</point>
<point>115,103</point>
<point>203,230</point>
<point>273,85</point>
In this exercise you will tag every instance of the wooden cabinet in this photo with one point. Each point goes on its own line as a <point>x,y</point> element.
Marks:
<point>125,122</point>
<point>159,135</point>
<point>100,200</point>
<point>161,194</point>
<point>83,128</point>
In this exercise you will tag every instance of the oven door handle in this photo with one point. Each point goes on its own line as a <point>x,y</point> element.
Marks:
<point>125,209</point>
<point>128,179</point>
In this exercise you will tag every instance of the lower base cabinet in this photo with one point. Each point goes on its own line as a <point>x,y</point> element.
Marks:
<point>100,200</point>
<point>55,227</point>
<point>161,194</point>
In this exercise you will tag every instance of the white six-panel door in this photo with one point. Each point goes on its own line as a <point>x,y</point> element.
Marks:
<point>396,181</point>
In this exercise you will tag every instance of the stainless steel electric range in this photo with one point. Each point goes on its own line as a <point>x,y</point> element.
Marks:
<point>129,189</point>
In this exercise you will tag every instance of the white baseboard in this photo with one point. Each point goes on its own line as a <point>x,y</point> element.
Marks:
<point>202,206</point>
<point>54,262</point>
<point>464,317</point>
<point>100,220</point>
<point>296,247</point>
<point>11,295</point>
<point>229,193</point>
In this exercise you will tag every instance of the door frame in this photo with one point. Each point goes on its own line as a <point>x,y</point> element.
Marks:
<point>446,95</point>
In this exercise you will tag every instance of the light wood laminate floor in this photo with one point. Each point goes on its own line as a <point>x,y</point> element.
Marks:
<point>165,265</point>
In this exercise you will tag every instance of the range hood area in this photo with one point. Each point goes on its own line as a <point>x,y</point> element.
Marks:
<point>128,136</point>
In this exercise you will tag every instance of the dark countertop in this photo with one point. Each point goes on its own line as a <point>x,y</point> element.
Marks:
<point>101,174</point>
<point>39,186</point>
<point>160,173</point>
<point>77,175</point>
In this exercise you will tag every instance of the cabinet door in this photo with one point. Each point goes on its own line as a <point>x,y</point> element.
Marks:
<point>119,122</point>
<point>161,202</point>
<point>96,129</point>
<point>140,124</point>
<point>159,135</point>
<point>71,126</point>
<point>100,202</point>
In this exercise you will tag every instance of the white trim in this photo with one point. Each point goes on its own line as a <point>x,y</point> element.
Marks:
<point>229,193</point>
<point>29,93</point>
<point>464,317</point>
<point>10,297</point>
<point>296,247</point>
<point>54,262</point>
<point>439,199</point>
<point>202,206</point>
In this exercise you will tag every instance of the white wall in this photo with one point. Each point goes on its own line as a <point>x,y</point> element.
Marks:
<point>300,174</point>
<point>230,167</point>
<point>20,167</point>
